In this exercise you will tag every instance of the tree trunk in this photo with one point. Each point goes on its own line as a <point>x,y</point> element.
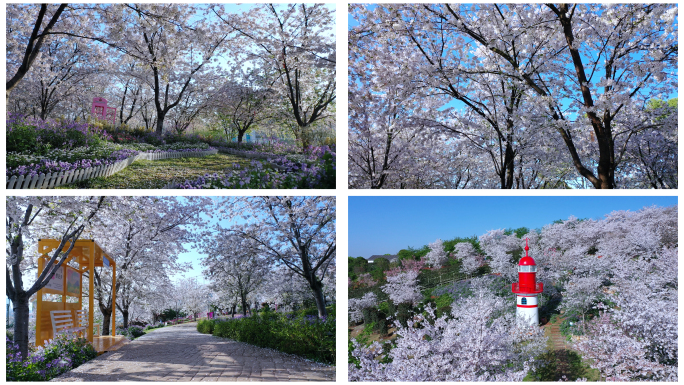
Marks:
<point>243,300</point>
<point>124,314</point>
<point>305,137</point>
<point>239,138</point>
<point>107,315</point>
<point>509,164</point>
<point>160,122</point>
<point>21,323</point>
<point>317,288</point>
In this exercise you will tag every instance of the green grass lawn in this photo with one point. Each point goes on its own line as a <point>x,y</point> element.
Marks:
<point>154,174</point>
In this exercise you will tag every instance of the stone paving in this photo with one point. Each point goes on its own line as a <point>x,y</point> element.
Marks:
<point>180,353</point>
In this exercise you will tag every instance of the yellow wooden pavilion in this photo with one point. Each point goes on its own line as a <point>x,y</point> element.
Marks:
<point>67,282</point>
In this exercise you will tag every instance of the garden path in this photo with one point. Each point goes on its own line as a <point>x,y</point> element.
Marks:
<point>559,346</point>
<point>180,353</point>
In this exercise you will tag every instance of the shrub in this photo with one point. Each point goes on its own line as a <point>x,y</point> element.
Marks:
<point>443,300</point>
<point>132,332</point>
<point>135,331</point>
<point>154,326</point>
<point>21,138</point>
<point>306,336</point>
<point>205,326</point>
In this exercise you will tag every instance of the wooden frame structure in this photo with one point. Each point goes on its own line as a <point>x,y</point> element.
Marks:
<point>88,254</point>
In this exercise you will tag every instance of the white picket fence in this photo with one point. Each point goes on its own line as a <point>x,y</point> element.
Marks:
<point>175,154</point>
<point>261,156</point>
<point>55,179</point>
<point>246,154</point>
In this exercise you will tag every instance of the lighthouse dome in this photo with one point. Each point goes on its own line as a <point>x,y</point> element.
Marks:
<point>527,265</point>
<point>527,261</point>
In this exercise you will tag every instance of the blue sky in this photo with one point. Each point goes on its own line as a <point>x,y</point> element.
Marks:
<point>382,225</point>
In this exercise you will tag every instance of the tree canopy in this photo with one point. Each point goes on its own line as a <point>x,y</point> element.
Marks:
<point>512,96</point>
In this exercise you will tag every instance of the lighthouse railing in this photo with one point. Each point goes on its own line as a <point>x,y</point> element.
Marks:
<point>539,287</point>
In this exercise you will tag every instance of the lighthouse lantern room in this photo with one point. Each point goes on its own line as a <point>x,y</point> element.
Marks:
<point>526,289</point>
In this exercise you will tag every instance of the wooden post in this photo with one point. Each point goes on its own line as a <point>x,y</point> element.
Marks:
<point>113,266</point>
<point>64,282</point>
<point>39,304</point>
<point>80,289</point>
<point>91,288</point>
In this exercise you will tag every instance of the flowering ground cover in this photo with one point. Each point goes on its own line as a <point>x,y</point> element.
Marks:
<point>46,362</point>
<point>315,169</point>
<point>300,333</point>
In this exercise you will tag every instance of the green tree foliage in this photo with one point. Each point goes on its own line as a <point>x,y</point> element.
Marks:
<point>519,232</point>
<point>356,266</point>
<point>378,268</point>
<point>411,253</point>
<point>450,244</point>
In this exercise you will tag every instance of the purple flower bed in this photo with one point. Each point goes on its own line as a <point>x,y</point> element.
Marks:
<point>47,166</point>
<point>59,355</point>
<point>317,172</point>
<point>273,146</point>
<point>25,133</point>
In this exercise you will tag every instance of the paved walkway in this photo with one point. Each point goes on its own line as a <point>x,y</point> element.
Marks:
<point>180,353</point>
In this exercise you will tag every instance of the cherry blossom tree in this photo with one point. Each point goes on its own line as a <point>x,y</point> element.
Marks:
<point>144,235</point>
<point>498,247</point>
<point>581,293</point>
<point>27,218</point>
<point>480,342</point>
<point>295,43</point>
<point>235,264</point>
<point>617,356</point>
<point>22,47</point>
<point>175,44</point>
<point>195,296</point>
<point>437,255</point>
<point>298,232</point>
<point>470,261</point>
<point>550,96</point>
<point>156,301</point>
<point>356,306</point>
<point>403,287</point>
<point>61,71</point>
<point>286,289</point>
<point>243,103</point>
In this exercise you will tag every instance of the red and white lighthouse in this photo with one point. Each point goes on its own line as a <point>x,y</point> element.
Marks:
<point>526,289</point>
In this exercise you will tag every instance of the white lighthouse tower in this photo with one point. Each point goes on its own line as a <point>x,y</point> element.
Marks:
<point>526,289</point>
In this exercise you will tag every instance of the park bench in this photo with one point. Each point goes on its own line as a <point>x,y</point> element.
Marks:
<point>62,321</point>
<point>83,321</point>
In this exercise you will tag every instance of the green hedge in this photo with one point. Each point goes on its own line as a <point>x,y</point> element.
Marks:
<point>306,336</point>
<point>205,326</point>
